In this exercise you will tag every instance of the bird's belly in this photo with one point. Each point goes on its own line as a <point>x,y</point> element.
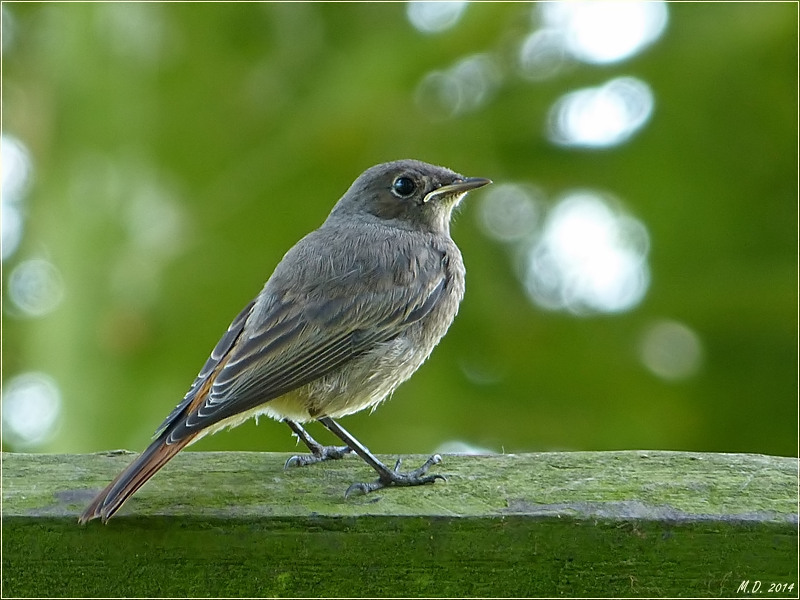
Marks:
<point>292,405</point>
<point>362,383</point>
<point>365,381</point>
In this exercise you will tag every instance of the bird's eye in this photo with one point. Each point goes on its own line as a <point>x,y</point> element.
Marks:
<point>404,186</point>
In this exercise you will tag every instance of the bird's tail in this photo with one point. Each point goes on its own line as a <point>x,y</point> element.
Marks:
<point>111,499</point>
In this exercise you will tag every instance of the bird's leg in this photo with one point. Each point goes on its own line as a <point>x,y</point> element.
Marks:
<point>318,451</point>
<point>386,477</point>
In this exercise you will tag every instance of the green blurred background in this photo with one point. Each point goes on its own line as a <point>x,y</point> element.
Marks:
<point>632,274</point>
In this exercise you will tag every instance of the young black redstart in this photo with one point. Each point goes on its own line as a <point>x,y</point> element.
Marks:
<point>352,310</point>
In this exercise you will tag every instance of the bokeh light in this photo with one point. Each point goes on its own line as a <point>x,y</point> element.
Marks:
<point>16,177</point>
<point>589,258</point>
<point>465,87</point>
<point>462,447</point>
<point>31,408</point>
<point>133,31</point>
<point>155,220</point>
<point>35,287</point>
<point>671,350</point>
<point>605,32</point>
<point>510,212</point>
<point>434,17</point>
<point>542,54</point>
<point>603,116</point>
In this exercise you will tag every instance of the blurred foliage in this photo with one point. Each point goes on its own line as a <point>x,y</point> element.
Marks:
<point>179,150</point>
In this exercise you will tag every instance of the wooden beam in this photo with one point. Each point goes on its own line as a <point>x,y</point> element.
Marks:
<point>638,523</point>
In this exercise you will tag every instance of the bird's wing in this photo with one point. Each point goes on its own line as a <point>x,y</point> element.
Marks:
<point>283,341</point>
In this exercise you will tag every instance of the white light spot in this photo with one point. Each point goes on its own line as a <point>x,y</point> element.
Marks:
<point>603,116</point>
<point>605,32</point>
<point>510,212</point>
<point>31,407</point>
<point>481,370</point>
<point>133,30</point>
<point>542,54</point>
<point>433,17</point>
<point>463,88</point>
<point>12,227</point>
<point>155,220</point>
<point>35,287</point>
<point>589,258</point>
<point>16,168</point>
<point>459,447</point>
<point>671,350</point>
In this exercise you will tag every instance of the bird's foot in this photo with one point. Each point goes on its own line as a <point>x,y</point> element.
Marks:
<point>318,454</point>
<point>395,478</point>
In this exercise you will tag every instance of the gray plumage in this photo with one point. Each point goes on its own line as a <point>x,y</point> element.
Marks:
<point>350,312</point>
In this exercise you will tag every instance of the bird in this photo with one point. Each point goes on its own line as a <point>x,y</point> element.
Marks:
<point>350,312</point>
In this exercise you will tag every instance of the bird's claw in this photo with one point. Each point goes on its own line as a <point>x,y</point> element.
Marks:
<point>395,478</point>
<point>324,453</point>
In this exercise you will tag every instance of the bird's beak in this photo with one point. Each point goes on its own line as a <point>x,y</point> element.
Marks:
<point>458,188</point>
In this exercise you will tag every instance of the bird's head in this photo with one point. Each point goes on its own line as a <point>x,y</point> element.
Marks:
<point>408,194</point>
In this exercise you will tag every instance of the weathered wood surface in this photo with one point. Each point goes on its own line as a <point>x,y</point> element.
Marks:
<point>553,524</point>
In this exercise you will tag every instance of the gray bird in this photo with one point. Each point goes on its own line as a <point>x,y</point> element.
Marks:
<point>352,310</point>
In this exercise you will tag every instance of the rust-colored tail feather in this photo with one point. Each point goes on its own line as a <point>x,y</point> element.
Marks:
<point>111,499</point>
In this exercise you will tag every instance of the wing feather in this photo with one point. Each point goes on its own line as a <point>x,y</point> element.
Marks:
<point>282,340</point>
